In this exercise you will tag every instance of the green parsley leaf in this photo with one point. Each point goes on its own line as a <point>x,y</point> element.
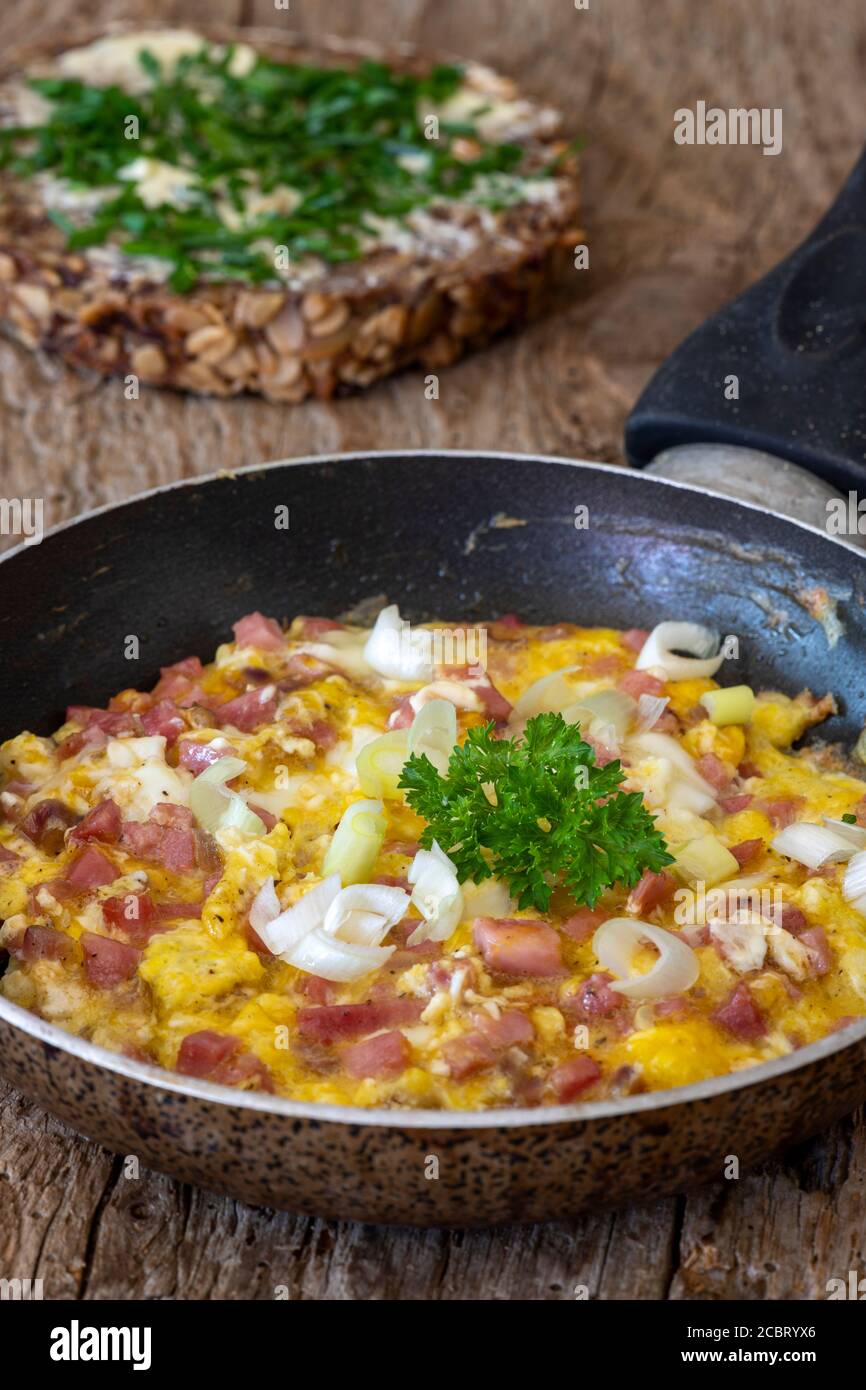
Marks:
<point>535,812</point>
<point>849,818</point>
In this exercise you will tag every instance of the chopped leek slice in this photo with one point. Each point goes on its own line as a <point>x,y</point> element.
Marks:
<point>215,807</point>
<point>380,763</point>
<point>434,733</point>
<point>357,841</point>
<point>704,860</point>
<point>733,705</point>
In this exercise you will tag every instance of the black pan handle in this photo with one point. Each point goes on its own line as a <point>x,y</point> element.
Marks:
<point>782,368</point>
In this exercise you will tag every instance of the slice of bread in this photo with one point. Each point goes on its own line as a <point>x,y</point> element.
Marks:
<point>423,290</point>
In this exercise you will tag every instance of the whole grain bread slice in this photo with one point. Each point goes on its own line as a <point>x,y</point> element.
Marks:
<point>344,327</point>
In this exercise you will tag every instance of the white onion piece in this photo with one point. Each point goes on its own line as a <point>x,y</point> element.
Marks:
<point>812,845</point>
<point>342,649</point>
<point>605,715</point>
<point>490,898</point>
<point>856,834</point>
<point>457,693</point>
<point>265,907</point>
<point>291,926</point>
<point>436,894</point>
<point>364,913</point>
<point>665,746</point>
<point>395,651</point>
<point>549,694</point>
<point>617,942</point>
<point>215,807</point>
<point>333,959</point>
<point>433,733</point>
<point>665,640</point>
<point>357,841</point>
<point>854,882</point>
<point>742,940</point>
<point>650,709</point>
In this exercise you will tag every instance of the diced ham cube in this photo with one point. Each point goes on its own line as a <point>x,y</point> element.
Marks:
<point>384,1056</point>
<point>635,638</point>
<point>509,1028</point>
<point>732,804</point>
<point>651,891</point>
<point>111,722</point>
<point>512,946</point>
<point>402,714</point>
<point>91,869</point>
<point>749,769</point>
<point>741,1016</point>
<point>102,822</point>
<point>8,856</point>
<point>333,1022</point>
<point>108,963</point>
<point>248,711</point>
<point>584,923</point>
<point>746,851</point>
<point>42,943</point>
<point>46,824</point>
<point>318,731</point>
<point>493,701</point>
<point>200,1053</point>
<point>783,810</point>
<point>820,952</point>
<point>594,998</point>
<point>308,629</point>
<point>467,1054</point>
<point>713,770</point>
<point>570,1078</point>
<point>637,683</point>
<point>266,817</point>
<point>255,630</point>
<point>195,757</point>
<point>180,682</point>
<point>164,718</point>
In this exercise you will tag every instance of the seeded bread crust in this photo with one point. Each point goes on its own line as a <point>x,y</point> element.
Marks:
<point>345,329</point>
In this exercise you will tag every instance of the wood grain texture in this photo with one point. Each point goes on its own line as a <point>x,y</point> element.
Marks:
<point>673,232</point>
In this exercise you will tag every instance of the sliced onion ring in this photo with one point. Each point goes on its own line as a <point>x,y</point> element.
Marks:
<point>395,651</point>
<point>436,894</point>
<point>617,942</point>
<point>667,639</point>
<point>812,845</point>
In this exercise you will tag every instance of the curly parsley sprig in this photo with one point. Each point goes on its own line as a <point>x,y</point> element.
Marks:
<point>536,813</point>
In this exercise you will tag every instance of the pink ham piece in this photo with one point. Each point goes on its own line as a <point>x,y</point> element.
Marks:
<point>42,943</point>
<point>746,851</point>
<point>318,731</point>
<point>241,1069</point>
<point>46,824</point>
<point>650,892</point>
<point>790,918</point>
<point>91,869</point>
<point>164,718</point>
<point>594,998</point>
<point>782,811</point>
<point>102,822</point>
<point>570,1078</point>
<point>583,923</point>
<point>266,817</point>
<point>180,682</point>
<point>385,1057</point>
<point>75,743</point>
<point>606,664</point>
<point>512,946</point>
<point>740,1015</point>
<point>108,963</point>
<point>248,711</point>
<point>195,757</point>
<point>637,683</point>
<point>713,770</point>
<point>108,721</point>
<point>8,856</point>
<point>635,638</point>
<point>820,952</point>
<point>402,714</point>
<point>201,1053</point>
<point>314,987</point>
<point>480,1048</point>
<point>167,837</point>
<point>732,804</point>
<point>492,700</point>
<point>333,1022</point>
<point>255,630</point>
<point>303,669</point>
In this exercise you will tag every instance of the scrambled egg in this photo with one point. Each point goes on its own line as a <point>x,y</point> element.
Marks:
<point>203,973</point>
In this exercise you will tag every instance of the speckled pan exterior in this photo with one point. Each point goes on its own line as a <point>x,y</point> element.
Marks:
<point>430,1169</point>
<point>657,545</point>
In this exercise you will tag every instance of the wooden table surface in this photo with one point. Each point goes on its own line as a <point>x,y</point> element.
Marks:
<point>673,232</point>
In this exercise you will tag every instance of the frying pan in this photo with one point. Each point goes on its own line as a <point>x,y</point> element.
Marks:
<point>436,532</point>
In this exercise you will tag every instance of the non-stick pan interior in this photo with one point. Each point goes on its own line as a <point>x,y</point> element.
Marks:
<point>449,536</point>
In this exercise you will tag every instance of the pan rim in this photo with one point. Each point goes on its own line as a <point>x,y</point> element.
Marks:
<point>54,1037</point>
<point>365,455</point>
<point>51,1036</point>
